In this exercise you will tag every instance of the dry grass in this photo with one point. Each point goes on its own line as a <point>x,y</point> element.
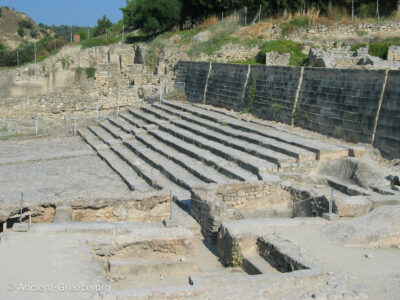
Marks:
<point>209,22</point>
<point>176,39</point>
<point>312,15</point>
<point>255,30</point>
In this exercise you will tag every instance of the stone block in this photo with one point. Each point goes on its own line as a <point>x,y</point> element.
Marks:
<point>330,217</point>
<point>168,223</point>
<point>20,227</point>
<point>354,206</point>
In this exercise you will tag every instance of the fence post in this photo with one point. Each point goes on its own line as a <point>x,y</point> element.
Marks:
<point>245,15</point>
<point>17,57</point>
<point>20,209</point>
<point>75,123</point>
<point>119,88</point>
<point>378,111</point>
<point>34,49</point>
<point>36,126</point>
<point>55,44</point>
<point>97,112</point>
<point>161,92</point>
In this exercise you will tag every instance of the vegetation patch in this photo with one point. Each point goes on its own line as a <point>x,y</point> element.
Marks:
<point>100,41</point>
<point>356,47</point>
<point>220,35</point>
<point>90,72</point>
<point>153,53</point>
<point>297,58</point>
<point>253,89</point>
<point>237,257</point>
<point>294,24</point>
<point>380,48</point>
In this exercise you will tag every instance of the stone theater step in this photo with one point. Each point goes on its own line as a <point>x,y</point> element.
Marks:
<point>127,174</point>
<point>259,151</point>
<point>148,118</point>
<point>115,131</point>
<point>288,149</point>
<point>176,173</point>
<point>224,166</point>
<point>92,139</point>
<point>252,163</point>
<point>348,189</point>
<point>151,175</point>
<point>125,126</point>
<point>103,135</point>
<point>196,167</point>
<point>141,126</point>
<point>323,149</point>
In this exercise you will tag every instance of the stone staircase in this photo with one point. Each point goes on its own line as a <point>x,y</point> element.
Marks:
<point>177,146</point>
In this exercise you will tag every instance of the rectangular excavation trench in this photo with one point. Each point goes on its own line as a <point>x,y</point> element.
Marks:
<point>214,204</point>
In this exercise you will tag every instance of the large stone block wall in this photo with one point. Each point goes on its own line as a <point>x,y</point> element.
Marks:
<point>346,104</point>
<point>195,78</point>
<point>388,130</point>
<point>275,92</point>
<point>340,103</point>
<point>226,84</point>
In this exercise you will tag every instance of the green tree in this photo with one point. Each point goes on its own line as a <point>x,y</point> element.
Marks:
<point>102,25</point>
<point>152,16</point>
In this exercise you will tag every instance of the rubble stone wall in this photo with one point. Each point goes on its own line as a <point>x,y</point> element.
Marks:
<point>213,204</point>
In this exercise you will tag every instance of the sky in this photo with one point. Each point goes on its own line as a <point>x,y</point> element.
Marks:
<point>68,12</point>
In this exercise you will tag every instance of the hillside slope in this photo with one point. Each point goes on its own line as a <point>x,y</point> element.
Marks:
<point>10,21</point>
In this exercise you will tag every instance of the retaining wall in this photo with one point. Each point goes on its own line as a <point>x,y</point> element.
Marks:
<point>355,105</point>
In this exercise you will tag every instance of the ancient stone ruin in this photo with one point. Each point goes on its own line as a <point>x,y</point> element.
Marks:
<point>261,182</point>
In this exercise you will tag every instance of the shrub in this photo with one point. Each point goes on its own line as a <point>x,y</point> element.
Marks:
<point>1,12</point>
<point>2,47</point>
<point>355,47</point>
<point>25,24</point>
<point>65,61</point>
<point>90,72</point>
<point>153,52</point>
<point>34,34</point>
<point>237,257</point>
<point>58,45</point>
<point>20,31</point>
<point>379,49</point>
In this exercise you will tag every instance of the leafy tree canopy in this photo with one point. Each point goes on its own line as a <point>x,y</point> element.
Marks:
<point>152,16</point>
<point>102,25</point>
